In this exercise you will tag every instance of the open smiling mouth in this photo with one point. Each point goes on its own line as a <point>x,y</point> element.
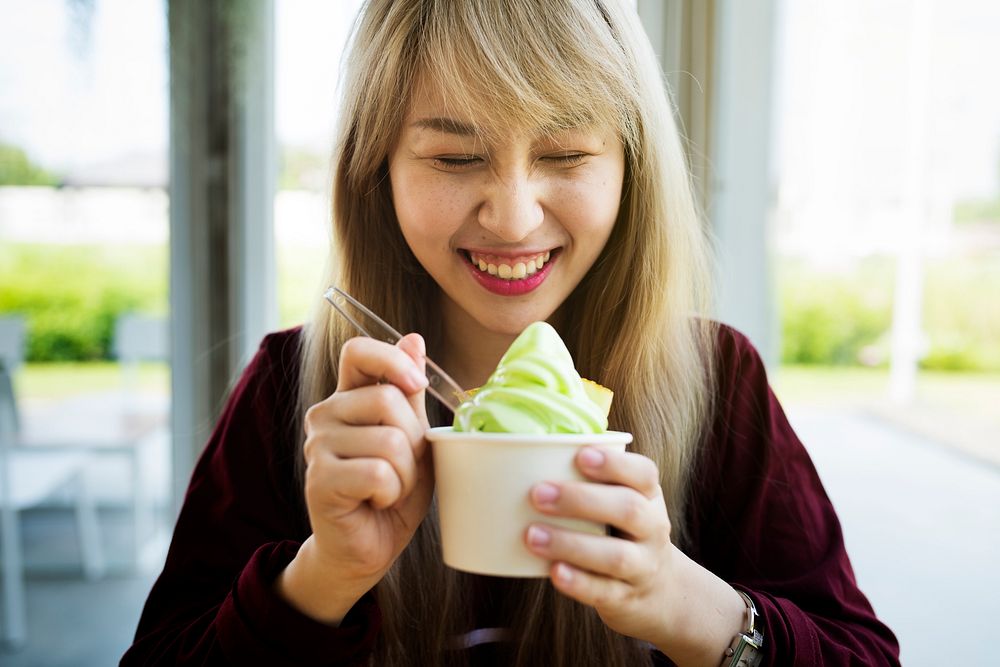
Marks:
<point>511,276</point>
<point>507,268</point>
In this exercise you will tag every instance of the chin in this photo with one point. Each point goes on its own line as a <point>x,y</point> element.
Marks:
<point>510,321</point>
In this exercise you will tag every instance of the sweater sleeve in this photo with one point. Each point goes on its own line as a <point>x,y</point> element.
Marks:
<point>240,525</point>
<point>762,521</point>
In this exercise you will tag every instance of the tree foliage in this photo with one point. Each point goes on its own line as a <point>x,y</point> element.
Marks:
<point>17,169</point>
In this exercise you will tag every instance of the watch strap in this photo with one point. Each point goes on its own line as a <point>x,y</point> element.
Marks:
<point>745,651</point>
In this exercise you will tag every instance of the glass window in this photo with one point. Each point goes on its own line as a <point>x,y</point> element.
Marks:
<point>310,38</point>
<point>887,258</point>
<point>84,269</point>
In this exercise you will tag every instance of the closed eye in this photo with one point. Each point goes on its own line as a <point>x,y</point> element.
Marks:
<point>460,162</point>
<point>565,160</point>
<point>456,162</point>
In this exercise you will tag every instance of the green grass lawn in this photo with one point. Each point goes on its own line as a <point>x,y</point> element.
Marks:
<point>47,381</point>
<point>976,394</point>
<point>958,410</point>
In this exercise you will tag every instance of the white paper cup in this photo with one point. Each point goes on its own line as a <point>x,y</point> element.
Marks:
<point>483,481</point>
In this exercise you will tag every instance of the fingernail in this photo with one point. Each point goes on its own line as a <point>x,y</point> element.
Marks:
<point>545,493</point>
<point>421,345</point>
<point>418,378</point>
<point>563,573</point>
<point>592,458</point>
<point>538,536</point>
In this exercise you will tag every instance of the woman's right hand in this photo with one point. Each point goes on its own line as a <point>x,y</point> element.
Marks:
<point>369,479</point>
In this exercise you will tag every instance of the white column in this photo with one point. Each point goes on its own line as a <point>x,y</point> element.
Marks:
<point>254,265</point>
<point>221,207</point>
<point>743,182</point>
<point>907,335</point>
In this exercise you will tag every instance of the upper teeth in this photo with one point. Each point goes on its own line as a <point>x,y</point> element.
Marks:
<point>509,269</point>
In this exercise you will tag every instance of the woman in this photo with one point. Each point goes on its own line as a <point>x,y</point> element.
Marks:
<point>501,163</point>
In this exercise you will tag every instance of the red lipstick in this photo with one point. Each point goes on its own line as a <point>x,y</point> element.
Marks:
<point>515,287</point>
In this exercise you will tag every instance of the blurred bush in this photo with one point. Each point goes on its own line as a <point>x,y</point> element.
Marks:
<point>830,316</point>
<point>843,315</point>
<point>17,169</point>
<point>982,211</point>
<point>72,295</point>
<point>962,314</point>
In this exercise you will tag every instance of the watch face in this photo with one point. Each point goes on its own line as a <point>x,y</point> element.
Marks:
<point>746,651</point>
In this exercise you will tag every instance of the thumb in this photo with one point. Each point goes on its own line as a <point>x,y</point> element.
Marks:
<point>413,345</point>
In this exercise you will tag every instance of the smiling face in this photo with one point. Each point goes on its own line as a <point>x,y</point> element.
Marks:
<point>506,220</point>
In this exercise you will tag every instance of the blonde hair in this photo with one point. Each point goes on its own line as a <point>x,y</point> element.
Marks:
<point>631,324</point>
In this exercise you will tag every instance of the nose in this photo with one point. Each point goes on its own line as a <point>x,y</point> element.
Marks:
<point>512,208</point>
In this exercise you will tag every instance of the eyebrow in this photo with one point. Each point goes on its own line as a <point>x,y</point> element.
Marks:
<point>447,125</point>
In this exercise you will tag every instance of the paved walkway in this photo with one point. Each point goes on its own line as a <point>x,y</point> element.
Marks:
<point>922,526</point>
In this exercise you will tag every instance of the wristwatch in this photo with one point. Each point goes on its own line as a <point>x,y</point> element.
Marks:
<point>745,651</point>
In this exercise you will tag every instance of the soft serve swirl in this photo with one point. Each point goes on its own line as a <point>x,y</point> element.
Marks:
<point>534,389</point>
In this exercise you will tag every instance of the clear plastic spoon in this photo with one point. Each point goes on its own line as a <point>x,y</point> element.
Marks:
<point>440,385</point>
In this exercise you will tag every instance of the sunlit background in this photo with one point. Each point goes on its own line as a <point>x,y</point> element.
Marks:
<point>878,306</point>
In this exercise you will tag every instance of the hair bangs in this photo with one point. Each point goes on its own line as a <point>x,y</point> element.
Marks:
<point>503,65</point>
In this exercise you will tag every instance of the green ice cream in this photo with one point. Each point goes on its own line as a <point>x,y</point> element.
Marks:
<point>535,389</point>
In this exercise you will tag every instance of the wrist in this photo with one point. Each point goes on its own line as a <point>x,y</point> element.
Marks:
<point>307,585</point>
<point>706,614</point>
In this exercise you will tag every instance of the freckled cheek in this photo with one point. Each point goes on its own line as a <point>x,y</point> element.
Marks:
<point>431,206</point>
<point>590,205</point>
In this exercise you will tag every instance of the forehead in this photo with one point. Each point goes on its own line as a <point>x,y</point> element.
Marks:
<point>445,107</point>
<point>453,108</point>
<point>431,100</point>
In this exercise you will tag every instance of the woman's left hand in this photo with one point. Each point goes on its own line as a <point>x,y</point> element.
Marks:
<point>639,583</point>
<point>631,577</point>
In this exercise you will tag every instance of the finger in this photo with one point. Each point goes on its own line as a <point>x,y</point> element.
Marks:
<point>588,588</point>
<point>382,442</point>
<point>365,361</point>
<point>624,468</point>
<point>372,405</point>
<point>599,554</point>
<point>342,484</point>
<point>413,345</point>
<point>382,424</point>
<point>622,507</point>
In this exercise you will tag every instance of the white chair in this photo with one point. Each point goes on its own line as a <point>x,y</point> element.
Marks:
<point>139,338</point>
<point>27,479</point>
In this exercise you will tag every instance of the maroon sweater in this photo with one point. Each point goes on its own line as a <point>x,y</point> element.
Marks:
<point>759,519</point>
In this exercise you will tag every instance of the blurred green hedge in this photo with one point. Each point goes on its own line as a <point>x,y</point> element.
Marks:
<point>843,315</point>
<point>833,316</point>
<point>962,314</point>
<point>71,295</point>
<point>16,168</point>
